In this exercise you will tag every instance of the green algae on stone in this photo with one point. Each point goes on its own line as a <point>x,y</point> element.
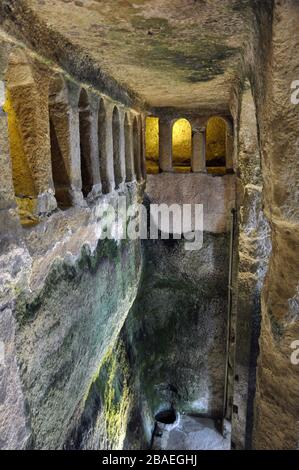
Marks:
<point>112,383</point>
<point>68,272</point>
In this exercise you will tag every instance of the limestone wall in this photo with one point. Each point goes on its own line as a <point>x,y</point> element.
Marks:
<point>175,334</point>
<point>253,247</point>
<point>273,68</point>
<point>67,296</point>
<point>216,194</point>
<point>65,292</point>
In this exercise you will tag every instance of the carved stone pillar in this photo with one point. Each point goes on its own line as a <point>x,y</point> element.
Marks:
<point>9,220</point>
<point>198,161</point>
<point>165,145</point>
<point>229,148</point>
<point>129,150</point>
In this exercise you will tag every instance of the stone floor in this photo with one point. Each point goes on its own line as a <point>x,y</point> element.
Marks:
<point>190,433</point>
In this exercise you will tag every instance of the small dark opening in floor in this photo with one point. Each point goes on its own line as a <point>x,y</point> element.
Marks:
<point>166,416</point>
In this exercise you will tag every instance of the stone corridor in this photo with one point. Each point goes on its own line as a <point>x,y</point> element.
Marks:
<point>110,110</point>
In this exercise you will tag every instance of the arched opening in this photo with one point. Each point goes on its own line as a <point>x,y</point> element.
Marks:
<point>128,151</point>
<point>116,147</point>
<point>59,141</point>
<point>19,107</point>
<point>102,143</point>
<point>136,147</point>
<point>182,146</point>
<point>85,143</point>
<point>152,145</point>
<point>216,145</point>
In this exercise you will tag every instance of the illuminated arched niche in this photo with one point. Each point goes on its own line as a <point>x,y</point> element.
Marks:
<point>182,146</point>
<point>152,145</point>
<point>216,145</point>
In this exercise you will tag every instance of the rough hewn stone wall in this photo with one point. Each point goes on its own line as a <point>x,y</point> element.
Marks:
<point>177,327</point>
<point>64,292</point>
<point>175,334</point>
<point>273,67</point>
<point>251,260</point>
<point>216,194</point>
<point>67,296</point>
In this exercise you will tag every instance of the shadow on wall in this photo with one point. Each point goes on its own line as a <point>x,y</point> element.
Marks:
<point>60,141</point>
<point>85,143</point>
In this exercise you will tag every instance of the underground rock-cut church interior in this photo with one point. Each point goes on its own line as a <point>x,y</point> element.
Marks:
<point>135,342</point>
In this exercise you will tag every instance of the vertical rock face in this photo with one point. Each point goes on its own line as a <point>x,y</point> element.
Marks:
<point>65,289</point>
<point>59,326</point>
<point>172,348</point>
<point>253,251</point>
<point>14,427</point>
<point>66,330</point>
<point>175,333</point>
<point>177,327</point>
<point>273,71</point>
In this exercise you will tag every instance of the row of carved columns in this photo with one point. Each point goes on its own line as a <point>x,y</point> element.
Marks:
<point>198,159</point>
<point>101,143</point>
<point>77,143</point>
